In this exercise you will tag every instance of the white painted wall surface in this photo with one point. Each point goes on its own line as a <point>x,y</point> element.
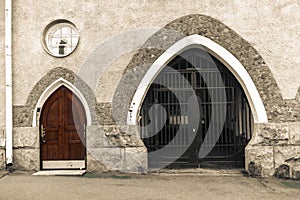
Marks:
<point>272,26</point>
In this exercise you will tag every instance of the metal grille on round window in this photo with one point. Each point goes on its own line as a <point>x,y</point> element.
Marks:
<point>60,38</point>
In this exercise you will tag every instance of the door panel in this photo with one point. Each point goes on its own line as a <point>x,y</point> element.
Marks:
<point>63,125</point>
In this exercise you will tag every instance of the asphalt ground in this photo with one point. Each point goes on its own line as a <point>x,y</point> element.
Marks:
<point>161,185</point>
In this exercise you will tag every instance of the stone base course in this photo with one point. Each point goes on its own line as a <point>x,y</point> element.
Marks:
<point>26,159</point>
<point>133,160</point>
<point>2,159</point>
<point>274,150</point>
<point>115,148</point>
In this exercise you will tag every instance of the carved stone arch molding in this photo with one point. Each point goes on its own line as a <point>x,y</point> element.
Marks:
<point>219,33</point>
<point>24,116</point>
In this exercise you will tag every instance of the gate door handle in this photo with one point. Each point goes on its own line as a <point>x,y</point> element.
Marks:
<point>43,133</point>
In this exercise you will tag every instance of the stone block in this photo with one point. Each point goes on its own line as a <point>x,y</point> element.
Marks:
<point>113,136</point>
<point>286,154</point>
<point>2,159</point>
<point>104,113</point>
<point>290,156</point>
<point>294,133</point>
<point>135,160</point>
<point>260,159</point>
<point>95,137</point>
<point>130,160</point>
<point>283,172</point>
<point>26,137</point>
<point>295,172</point>
<point>120,136</point>
<point>94,164</point>
<point>22,116</point>
<point>106,159</point>
<point>26,159</point>
<point>271,134</point>
<point>2,137</point>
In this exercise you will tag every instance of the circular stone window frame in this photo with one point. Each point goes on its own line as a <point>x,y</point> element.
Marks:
<point>49,28</point>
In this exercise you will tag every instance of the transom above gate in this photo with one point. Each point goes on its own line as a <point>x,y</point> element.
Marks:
<point>217,125</point>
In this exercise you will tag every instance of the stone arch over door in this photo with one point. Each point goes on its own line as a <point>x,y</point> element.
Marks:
<point>53,87</point>
<point>228,39</point>
<point>213,30</point>
<point>194,41</point>
<point>25,116</point>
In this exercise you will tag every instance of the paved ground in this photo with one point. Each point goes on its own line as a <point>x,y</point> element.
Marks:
<point>164,185</point>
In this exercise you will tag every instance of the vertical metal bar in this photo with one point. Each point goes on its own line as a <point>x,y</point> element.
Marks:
<point>251,123</point>
<point>162,125</point>
<point>168,106</point>
<point>246,120</point>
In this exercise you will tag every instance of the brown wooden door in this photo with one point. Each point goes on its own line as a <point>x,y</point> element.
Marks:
<point>62,127</point>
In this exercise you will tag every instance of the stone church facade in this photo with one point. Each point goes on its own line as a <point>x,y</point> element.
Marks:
<point>122,46</point>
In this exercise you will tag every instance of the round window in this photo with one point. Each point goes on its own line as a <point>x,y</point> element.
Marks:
<point>60,38</point>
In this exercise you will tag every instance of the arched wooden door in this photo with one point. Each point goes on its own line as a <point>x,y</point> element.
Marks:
<point>62,131</point>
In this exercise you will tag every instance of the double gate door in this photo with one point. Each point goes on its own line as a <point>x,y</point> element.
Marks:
<point>195,107</point>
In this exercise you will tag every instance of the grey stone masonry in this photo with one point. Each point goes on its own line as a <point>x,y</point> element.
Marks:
<point>2,148</point>
<point>26,148</point>
<point>275,149</point>
<point>2,158</point>
<point>115,148</point>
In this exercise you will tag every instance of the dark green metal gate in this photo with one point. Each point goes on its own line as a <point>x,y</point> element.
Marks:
<point>168,121</point>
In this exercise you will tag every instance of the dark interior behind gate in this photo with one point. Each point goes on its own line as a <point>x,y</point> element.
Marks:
<point>169,125</point>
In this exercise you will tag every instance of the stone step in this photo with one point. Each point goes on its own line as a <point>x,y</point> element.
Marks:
<point>60,173</point>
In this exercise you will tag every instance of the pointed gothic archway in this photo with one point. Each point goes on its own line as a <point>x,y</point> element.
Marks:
<point>173,132</point>
<point>249,98</point>
<point>230,61</point>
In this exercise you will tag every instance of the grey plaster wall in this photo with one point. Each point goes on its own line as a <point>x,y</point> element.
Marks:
<point>268,25</point>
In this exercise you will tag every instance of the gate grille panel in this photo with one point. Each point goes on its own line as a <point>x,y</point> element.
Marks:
<point>170,125</point>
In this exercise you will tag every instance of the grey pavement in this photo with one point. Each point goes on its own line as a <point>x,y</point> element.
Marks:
<point>160,185</point>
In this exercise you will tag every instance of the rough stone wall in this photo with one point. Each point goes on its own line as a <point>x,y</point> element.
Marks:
<point>275,150</point>
<point>110,147</point>
<point>2,149</point>
<point>26,152</point>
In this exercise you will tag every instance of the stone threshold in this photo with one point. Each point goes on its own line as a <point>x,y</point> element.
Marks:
<point>60,173</point>
<point>200,172</point>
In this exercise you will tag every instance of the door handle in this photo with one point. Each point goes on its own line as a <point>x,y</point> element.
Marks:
<point>43,134</point>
